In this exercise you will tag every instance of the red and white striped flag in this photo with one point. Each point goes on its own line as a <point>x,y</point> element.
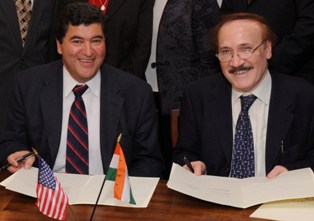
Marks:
<point>118,172</point>
<point>51,199</point>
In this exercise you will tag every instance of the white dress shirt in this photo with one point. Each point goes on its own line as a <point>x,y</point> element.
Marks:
<point>91,99</point>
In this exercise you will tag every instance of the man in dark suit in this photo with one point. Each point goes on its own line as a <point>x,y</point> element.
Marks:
<point>128,33</point>
<point>293,23</point>
<point>39,48</point>
<point>116,102</point>
<point>281,116</point>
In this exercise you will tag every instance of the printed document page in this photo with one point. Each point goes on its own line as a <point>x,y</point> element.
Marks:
<point>84,189</point>
<point>243,193</point>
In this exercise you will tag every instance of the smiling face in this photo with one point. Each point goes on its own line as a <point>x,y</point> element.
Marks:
<point>83,51</point>
<point>244,74</point>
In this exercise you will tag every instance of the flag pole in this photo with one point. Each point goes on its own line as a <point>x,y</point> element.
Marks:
<point>95,206</point>
<point>102,186</point>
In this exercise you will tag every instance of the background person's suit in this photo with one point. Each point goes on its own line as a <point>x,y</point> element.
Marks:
<point>40,46</point>
<point>206,132</point>
<point>126,107</point>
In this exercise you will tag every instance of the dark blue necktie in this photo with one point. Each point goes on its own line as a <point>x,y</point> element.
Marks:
<point>242,164</point>
<point>77,138</point>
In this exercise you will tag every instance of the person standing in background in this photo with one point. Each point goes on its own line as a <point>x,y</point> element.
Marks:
<point>219,2</point>
<point>182,56</point>
<point>150,74</point>
<point>293,23</point>
<point>128,32</point>
<point>19,51</point>
<point>151,78</point>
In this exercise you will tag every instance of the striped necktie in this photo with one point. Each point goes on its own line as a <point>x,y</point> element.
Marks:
<point>77,138</point>
<point>242,164</point>
<point>24,11</point>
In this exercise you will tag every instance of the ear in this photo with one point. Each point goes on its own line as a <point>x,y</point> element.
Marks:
<point>268,50</point>
<point>59,47</point>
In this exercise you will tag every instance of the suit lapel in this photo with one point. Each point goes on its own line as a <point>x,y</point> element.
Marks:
<point>110,111</point>
<point>279,121</point>
<point>37,11</point>
<point>51,103</point>
<point>9,11</point>
<point>223,119</point>
<point>113,7</point>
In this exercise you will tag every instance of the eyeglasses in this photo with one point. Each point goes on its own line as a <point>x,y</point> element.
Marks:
<point>226,54</point>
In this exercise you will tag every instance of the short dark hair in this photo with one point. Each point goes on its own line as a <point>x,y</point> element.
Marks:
<point>77,14</point>
<point>268,34</point>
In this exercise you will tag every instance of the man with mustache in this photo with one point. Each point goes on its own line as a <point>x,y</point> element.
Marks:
<point>250,120</point>
<point>293,23</point>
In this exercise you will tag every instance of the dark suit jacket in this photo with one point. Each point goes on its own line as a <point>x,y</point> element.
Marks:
<point>183,53</point>
<point>127,107</point>
<point>293,23</point>
<point>205,124</point>
<point>39,47</point>
<point>129,26</point>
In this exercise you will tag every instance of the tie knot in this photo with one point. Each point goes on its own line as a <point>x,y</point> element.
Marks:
<point>247,101</point>
<point>78,90</point>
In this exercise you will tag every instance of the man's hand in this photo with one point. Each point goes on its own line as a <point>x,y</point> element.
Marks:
<point>198,166</point>
<point>15,166</point>
<point>276,171</point>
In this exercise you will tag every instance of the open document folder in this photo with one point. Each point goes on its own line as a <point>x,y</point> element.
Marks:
<point>84,189</point>
<point>243,193</point>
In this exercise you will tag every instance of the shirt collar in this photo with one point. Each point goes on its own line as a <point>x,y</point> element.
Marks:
<point>262,91</point>
<point>69,83</point>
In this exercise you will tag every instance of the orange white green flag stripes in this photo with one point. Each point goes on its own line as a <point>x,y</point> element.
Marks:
<point>118,172</point>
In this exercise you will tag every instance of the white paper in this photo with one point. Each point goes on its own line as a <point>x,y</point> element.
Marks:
<point>287,210</point>
<point>243,193</point>
<point>84,189</point>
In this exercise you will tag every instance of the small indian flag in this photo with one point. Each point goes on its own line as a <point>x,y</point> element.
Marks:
<point>118,172</point>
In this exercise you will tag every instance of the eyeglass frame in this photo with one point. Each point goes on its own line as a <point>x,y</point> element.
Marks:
<point>252,50</point>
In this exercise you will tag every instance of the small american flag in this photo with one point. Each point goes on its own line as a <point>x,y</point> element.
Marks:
<point>51,199</point>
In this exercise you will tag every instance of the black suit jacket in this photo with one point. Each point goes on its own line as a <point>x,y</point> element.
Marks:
<point>183,54</point>
<point>205,124</point>
<point>293,23</point>
<point>40,46</point>
<point>129,26</point>
<point>127,107</point>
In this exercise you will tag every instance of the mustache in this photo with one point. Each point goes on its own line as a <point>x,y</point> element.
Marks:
<point>240,68</point>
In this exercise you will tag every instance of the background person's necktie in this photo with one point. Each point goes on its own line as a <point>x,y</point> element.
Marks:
<point>242,164</point>
<point>77,137</point>
<point>23,10</point>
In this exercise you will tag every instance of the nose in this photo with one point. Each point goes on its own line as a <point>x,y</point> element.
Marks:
<point>88,49</point>
<point>235,60</point>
